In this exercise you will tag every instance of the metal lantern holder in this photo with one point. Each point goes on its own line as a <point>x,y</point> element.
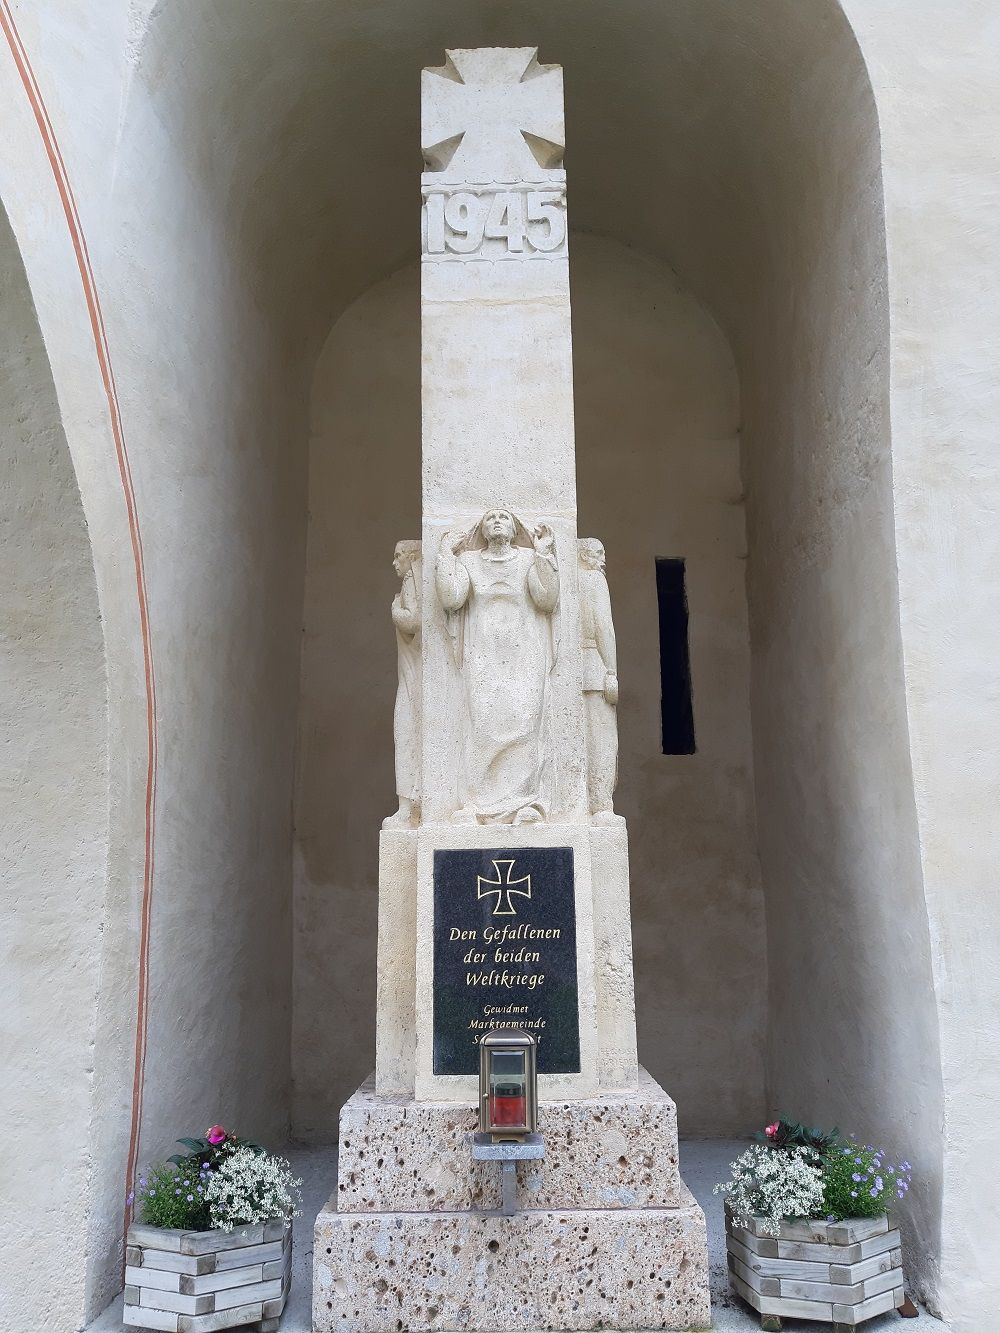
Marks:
<point>508,1107</point>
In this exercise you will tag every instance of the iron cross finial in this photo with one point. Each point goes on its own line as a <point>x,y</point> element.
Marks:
<point>493,114</point>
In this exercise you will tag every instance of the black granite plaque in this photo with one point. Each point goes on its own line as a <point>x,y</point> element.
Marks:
<point>505,954</point>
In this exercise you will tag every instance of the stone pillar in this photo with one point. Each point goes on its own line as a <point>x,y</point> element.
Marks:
<point>503,897</point>
<point>497,366</point>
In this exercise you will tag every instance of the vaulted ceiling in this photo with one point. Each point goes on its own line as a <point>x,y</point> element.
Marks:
<point>691,125</point>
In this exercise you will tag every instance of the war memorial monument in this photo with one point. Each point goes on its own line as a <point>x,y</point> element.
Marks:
<point>503,876</point>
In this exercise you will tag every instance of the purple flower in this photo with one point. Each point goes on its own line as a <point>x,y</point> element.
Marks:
<point>854,1194</point>
<point>128,1201</point>
<point>878,1183</point>
<point>856,1176</point>
<point>857,1161</point>
<point>177,1191</point>
<point>190,1198</point>
<point>873,1193</point>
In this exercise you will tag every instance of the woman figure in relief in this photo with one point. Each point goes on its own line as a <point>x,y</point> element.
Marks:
<point>499,585</point>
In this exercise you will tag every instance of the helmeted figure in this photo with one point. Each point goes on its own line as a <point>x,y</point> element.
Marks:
<point>599,667</point>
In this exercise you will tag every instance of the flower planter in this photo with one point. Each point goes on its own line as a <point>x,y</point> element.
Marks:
<point>201,1281</point>
<point>840,1273</point>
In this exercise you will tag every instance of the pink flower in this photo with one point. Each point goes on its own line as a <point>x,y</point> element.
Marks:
<point>772,1130</point>
<point>216,1135</point>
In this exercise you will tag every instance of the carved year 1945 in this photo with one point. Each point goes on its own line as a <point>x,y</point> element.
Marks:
<point>494,224</point>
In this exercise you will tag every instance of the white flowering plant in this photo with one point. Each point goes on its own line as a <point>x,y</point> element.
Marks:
<point>250,1186</point>
<point>222,1182</point>
<point>773,1185</point>
<point>794,1171</point>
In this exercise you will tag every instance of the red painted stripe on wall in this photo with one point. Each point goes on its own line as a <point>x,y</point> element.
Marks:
<point>92,298</point>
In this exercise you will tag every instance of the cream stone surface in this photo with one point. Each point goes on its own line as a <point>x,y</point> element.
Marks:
<point>823,176</point>
<point>566,1268</point>
<point>396,963</point>
<point>617,1060</point>
<point>618,1150</point>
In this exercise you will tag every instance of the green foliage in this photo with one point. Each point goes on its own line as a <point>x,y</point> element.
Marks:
<point>785,1133</point>
<point>859,1182</point>
<point>204,1153</point>
<point>174,1197</point>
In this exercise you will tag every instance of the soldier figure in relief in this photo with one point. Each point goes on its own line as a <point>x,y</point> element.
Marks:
<point>599,662</point>
<point>499,585</point>
<point>406,717</point>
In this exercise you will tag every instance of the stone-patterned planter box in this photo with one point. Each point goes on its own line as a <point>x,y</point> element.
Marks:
<point>200,1281</point>
<point>841,1273</point>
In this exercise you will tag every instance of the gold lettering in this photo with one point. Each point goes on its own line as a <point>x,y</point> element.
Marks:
<point>515,956</point>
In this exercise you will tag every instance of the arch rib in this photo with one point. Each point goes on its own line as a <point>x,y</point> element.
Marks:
<point>92,298</point>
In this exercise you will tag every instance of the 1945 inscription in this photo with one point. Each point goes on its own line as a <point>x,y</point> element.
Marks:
<point>505,954</point>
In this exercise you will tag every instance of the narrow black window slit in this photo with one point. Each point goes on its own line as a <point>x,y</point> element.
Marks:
<point>676,712</point>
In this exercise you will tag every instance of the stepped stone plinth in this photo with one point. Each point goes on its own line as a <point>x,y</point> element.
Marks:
<point>606,1234</point>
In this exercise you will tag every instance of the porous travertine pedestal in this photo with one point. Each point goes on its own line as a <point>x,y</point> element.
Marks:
<point>607,1234</point>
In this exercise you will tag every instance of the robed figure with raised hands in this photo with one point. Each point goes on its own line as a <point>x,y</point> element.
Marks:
<point>499,585</point>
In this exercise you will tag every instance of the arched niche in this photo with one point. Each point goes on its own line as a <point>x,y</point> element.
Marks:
<point>738,144</point>
<point>657,407</point>
<point>54,850</point>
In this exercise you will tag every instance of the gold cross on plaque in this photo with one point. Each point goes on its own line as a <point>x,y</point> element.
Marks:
<point>503,886</point>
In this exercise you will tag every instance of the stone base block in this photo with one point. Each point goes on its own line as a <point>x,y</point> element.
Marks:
<point>641,1268</point>
<point>606,1235</point>
<point>617,1150</point>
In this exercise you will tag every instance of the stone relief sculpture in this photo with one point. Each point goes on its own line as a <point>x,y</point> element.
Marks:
<point>599,670</point>
<point>407,714</point>
<point>499,585</point>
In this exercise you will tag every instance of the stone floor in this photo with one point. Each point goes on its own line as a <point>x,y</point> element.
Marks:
<point>703,1162</point>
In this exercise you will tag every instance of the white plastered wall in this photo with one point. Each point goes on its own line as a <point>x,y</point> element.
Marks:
<point>852,1018</point>
<point>657,410</point>
<point>207,394</point>
<point>207,397</point>
<point>940,126</point>
<point>53,798</point>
